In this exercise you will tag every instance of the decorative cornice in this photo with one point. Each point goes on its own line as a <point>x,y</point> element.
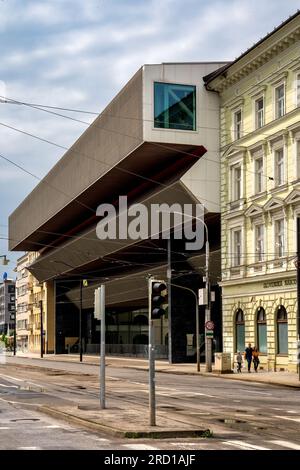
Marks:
<point>253,64</point>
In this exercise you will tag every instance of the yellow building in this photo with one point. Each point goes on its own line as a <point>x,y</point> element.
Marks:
<point>29,293</point>
<point>260,195</point>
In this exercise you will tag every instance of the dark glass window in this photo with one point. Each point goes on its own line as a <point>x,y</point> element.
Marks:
<point>174,106</point>
<point>261,330</point>
<point>282,331</point>
<point>239,330</point>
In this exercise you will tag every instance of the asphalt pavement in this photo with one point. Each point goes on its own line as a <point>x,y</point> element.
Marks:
<point>240,415</point>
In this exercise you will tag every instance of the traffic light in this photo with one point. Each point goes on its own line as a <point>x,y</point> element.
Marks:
<point>159,298</point>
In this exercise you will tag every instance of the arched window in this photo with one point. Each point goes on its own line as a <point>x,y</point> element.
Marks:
<point>261,320</point>
<point>239,330</point>
<point>282,330</point>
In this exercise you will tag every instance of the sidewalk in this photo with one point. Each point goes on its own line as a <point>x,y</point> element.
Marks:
<point>286,379</point>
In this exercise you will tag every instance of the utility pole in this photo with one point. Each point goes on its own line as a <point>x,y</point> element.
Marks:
<point>298,295</point>
<point>80,323</point>
<point>42,328</point>
<point>102,347</point>
<point>208,340</point>
<point>169,277</point>
<point>15,334</point>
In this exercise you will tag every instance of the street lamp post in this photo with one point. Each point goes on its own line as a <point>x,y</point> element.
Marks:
<point>208,341</point>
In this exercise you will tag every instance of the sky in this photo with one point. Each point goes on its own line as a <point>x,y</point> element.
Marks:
<point>79,53</point>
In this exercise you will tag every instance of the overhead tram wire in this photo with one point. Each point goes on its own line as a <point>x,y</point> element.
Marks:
<point>39,108</point>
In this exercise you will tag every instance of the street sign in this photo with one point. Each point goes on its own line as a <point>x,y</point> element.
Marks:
<point>209,334</point>
<point>85,283</point>
<point>202,296</point>
<point>209,325</point>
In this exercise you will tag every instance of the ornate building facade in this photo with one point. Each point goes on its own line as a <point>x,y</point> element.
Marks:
<point>260,196</point>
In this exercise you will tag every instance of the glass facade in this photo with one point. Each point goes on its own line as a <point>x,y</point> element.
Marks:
<point>174,106</point>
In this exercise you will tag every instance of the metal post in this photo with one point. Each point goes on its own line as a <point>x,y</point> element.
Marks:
<point>80,324</point>
<point>298,294</point>
<point>102,348</point>
<point>197,338</point>
<point>42,328</point>
<point>15,333</point>
<point>169,277</point>
<point>151,364</point>
<point>208,341</point>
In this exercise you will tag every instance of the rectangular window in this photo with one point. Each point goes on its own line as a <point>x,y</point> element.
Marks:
<point>259,175</point>
<point>279,238</point>
<point>298,89</point>
<point>174,106</point>
<point>298,157</point>
<point>282,338</point>
<point>279,167</point>
<point>237,122</point>
<point>236,247</point>
<point>259,113</point>
<point>259,243</point>
<point>279,101</point>
<point>262,337</point>
<point>236,182</point>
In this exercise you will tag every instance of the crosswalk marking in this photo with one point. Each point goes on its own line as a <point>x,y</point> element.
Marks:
<point>139,447</point>
<point>244,445</point>
<point>289,445</point>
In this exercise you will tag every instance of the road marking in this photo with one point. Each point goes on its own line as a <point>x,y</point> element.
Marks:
<point>10,377</point>
<point>244,445</point>
<point>4,427</point>
<point>29,448</point>
<point>9,386</point>
<point>297,420</point>
<point>139,447</point>
<point>289,445</point>
<point>292,411</point>
<point>52,426</point>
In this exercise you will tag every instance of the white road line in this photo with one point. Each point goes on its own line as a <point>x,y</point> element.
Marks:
<point>9,386</point>
<point>297,420</point>
<point>12,378</point>
<point>292,411</point>
<point>289,445</point>
<point>51,426</point>
<point>244,445</point>
<point>29,448</point>
<point>139,447</point>
<point>4,427</point>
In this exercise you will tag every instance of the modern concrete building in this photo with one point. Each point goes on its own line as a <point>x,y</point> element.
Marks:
<point>260,195</point>
<point>7,306</point>
<point>156,142</point>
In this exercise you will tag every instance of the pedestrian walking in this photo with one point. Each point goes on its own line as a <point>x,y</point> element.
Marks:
<point>248,356</point>
<point>255,354</point>
<point>239,360</point>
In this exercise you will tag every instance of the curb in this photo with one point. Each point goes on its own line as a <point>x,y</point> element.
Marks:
<point>92,425</point>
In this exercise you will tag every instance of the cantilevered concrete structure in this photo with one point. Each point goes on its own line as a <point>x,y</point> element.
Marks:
<point>156,142</point>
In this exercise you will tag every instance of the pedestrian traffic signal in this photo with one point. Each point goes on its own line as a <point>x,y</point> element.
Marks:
<point>159,298</point>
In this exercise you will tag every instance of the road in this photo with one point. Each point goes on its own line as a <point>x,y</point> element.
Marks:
<point>242,415</point>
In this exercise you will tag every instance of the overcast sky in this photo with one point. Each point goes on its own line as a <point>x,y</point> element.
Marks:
<point>79,53</point>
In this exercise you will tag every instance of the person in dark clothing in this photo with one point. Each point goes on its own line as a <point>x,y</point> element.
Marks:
<point>248,356</point>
